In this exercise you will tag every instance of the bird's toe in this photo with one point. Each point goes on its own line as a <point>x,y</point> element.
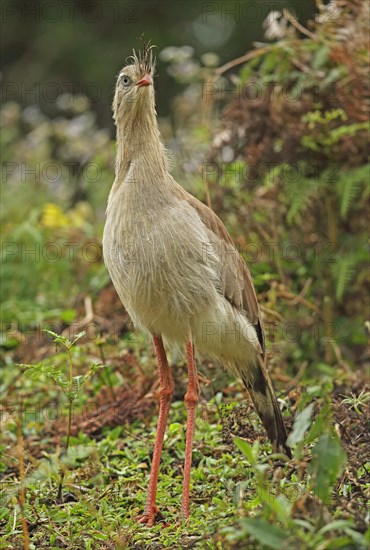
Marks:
<point>148,517</point>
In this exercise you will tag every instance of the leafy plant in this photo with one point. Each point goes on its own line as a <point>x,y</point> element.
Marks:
<point>308,171</point>
<point>358,402</point>
<point>70,385</point>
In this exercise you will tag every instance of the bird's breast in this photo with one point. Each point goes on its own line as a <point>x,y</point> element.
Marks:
<point>159,267</point>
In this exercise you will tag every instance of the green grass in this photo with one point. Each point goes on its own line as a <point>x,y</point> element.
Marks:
<point>240,496</point>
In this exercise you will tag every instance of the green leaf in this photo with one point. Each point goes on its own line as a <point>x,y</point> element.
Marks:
<point>301,424</point>
<point>333,75</point>
<point>56,374</point>
<point>77,383</point>
<point>75,455</point>
<point>318,427</point>
<point>328,461</point>
<point>347,527</point>
<point>68,315</point>
<point>46,469</point>
<point>269,63</point>
<point>335,525</point>
<point>267,534</point>
<point>247,69</point>
<point>77,337</point>
<point>56,337</point>
<point>251,453</point>
<point>320,57</point>
<point>358,538</point>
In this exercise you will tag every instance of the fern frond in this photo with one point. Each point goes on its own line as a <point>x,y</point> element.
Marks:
<point>299,194</point>
<point>344,273</point>
<point>350,185</point>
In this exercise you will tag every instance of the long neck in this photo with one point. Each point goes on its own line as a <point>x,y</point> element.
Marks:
<point>139,145</point>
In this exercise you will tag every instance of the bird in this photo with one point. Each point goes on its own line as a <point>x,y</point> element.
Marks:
<point>178,273</point>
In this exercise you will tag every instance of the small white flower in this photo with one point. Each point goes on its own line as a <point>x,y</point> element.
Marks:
<point>275,25</point>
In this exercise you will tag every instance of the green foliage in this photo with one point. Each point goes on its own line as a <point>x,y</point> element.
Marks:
<point>350,184</point>
<point>344,273</point>
<point>304,194</point>
<point>71,386</point>
<point>239,494</point>
<point>306,145</point>
<point>323,420</point>
<point>300,426</point>
<point>358,403</point>
<point>275,526</point>
<point>325,137</point>
<point>42,369</point>
<point>267,534</point>
<point>298,196</point>
<point>328,462</point>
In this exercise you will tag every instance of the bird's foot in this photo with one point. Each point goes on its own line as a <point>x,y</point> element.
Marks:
<point>148,517</point>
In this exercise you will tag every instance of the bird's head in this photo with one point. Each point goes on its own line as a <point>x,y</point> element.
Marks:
<point>134,88</point>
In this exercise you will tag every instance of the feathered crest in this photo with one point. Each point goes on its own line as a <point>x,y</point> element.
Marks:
<point>144,60</point>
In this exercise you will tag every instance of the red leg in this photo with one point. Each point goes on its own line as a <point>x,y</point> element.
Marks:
<point>166,392</point>
<point>191,400</point>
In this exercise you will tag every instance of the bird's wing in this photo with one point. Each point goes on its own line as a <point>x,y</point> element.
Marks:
<point>237,284</point>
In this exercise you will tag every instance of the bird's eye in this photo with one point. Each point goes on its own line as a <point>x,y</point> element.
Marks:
<point>125,80</point>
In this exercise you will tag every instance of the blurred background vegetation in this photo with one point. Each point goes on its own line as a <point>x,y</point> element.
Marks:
<point>265,116</point>
<point>86,43</point>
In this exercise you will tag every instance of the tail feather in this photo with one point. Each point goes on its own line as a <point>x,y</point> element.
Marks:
<point>260,389</point>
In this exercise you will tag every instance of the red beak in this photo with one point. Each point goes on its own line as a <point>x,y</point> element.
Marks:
<point>145,81</point>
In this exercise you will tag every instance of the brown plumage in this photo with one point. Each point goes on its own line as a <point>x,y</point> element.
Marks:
<point>177,271</point>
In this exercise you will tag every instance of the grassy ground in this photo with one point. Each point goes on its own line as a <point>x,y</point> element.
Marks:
<point>241,496</point>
